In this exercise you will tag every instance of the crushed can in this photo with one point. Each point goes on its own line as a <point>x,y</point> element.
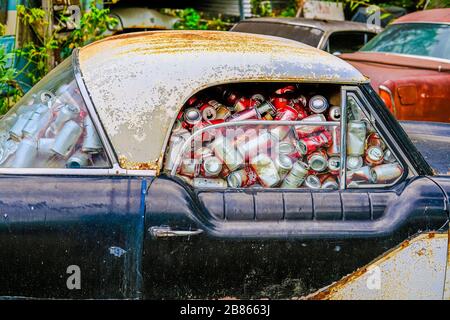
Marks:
<point>225,150</point>
<point>356,137</point>
<point>308,145</point>
<point>67,138</point>
<point>303,131</point>
<point>266,170</point>
<point>296,176</point>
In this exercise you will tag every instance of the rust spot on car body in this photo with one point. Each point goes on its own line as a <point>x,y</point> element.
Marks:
<point>139,82</point>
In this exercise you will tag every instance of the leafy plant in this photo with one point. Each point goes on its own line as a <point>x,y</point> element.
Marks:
<point>9,88</point>
<point>191,19</point>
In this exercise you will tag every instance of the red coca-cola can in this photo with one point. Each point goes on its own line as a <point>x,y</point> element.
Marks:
<point>280,102</point>
<point>300,101</point>
<point>285,90</point>
<point>305,130</point>
<point>373,139</point>
<point>230,97</point>
<point>243,103</point>
<point>286,114</point>
<point>310,144</point>
<point>374,155</point>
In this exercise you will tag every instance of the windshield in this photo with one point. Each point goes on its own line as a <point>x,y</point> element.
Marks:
<point>50,127</point>
<point>419,39</point>
<point>307,35</point>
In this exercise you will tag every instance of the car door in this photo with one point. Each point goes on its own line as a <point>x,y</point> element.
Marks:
<point>205,241</point>
<point>71,219</point>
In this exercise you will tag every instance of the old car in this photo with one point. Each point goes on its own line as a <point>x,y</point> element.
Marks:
<point>409,65</point>
<point>196,164</point>
<point>332,36</point>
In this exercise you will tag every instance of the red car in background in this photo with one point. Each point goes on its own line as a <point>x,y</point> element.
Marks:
<point>409,65</point>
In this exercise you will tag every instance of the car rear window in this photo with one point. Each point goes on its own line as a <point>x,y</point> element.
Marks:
<point>419,39</point>
<point>305,34</point>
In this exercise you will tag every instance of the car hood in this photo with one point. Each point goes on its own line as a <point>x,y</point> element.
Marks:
<point>432,139</point>
<point>379,66</point>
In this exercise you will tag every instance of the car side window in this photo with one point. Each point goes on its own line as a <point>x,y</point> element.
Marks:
<point>347,41</point>
<point>369,160</point>
<point>273,137</point>
<point>51,127</point>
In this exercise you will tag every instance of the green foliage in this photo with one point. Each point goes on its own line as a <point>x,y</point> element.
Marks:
<point>262,8</point>
<point>191,19</point>
<point>9,88</point>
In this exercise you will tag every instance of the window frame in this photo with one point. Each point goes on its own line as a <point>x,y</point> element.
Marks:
<point>326,46</point>
<point>365,108</point>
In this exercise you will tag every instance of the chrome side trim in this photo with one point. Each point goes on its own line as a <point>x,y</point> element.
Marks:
<point>91,109</point>
<point>343,169</point>
<point>384,88</point>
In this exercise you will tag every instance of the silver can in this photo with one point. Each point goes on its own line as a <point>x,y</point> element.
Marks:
<point>78,160</point>
<point>386,173</point>
<point>354,162</point>
<point>67,138</point>
<point>334,113</point>
<point>330,183</point>
<point>192,116</point>
<point>16,131</point>
<point>334,164</point>
<point>313,182</point>
<point>209,183</point>
<point>39,121</point>
<point>318,161</point>
<point>225,150</point>
<point>265,107</point>
<point>356,138</point>
<point>209,113</point>
<point>389,156</point>
<point>296,176</point>
<point>362,174</point>
<point>266,170</point>
<point>260,143</point>
<point>318,104</point>
<point>242,178</point>
<point>66,112</point>
<point>44,146</point>
<point>211,166</point>
<point>26,154</point>
<point>284,165</point>
<point>91,142</point>
<point>189,168</point>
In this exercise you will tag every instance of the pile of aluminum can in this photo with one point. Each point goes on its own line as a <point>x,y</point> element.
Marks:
<point>274,155</point>
<point>48,131</point>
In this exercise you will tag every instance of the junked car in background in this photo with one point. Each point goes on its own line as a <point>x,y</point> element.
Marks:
<point>409,65</point>
<point>190,164</point>
<point>332,36</point>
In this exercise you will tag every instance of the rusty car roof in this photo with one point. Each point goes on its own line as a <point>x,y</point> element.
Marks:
<point>433,15</point>
<point>139,82</point>
<point>325,25</point>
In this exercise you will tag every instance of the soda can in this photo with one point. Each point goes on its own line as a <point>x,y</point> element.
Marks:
<point>16,131</point>
<point>335,146</point>
<point>374,155</point>
<point>296,176</point>
<point>306,130</point>
<point>244,115</point>
<point>189,168</point>
<point>208,112</point>
<point>258,99</point>
<point>230,97</point>
<point>373,139</point>
<point>242,104</point>
<point>91,142</point>
<point>44,146</point>
<point>334,113</point>
<point>177,126</point>
<point>356,137</point>
<point>203,152</point>
<point>265,108</point>
<point>192,116</point>
<point>225,171</point>
<point>266,170</point>
<point>389,156</point>
<point>242,178</point>
<point>260,143</point>
<point>211,167</point>
<point>318,104</point>
<point>286,114</point>
<point>308,145</point>
<point>284,165</point>
<point>281,132</point>
<point>288,148</point>
<point>330,182</point>
<point>78,160</point>
<point>279,102</point>
<point>313,182</point>
<point>67,138</point>
<point>354,162</point>
<point>334,165</point>
<point>318,160</point>
<point>26,154</point>
<point>225,150</point>
<point>300,101</point>
<point>66,112</point>
<point>209,183</point>
<point>285,90</point>
<point>360,175</point>
<point>386,173</point>
<point>176,142</point>
<point>38,122</point>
